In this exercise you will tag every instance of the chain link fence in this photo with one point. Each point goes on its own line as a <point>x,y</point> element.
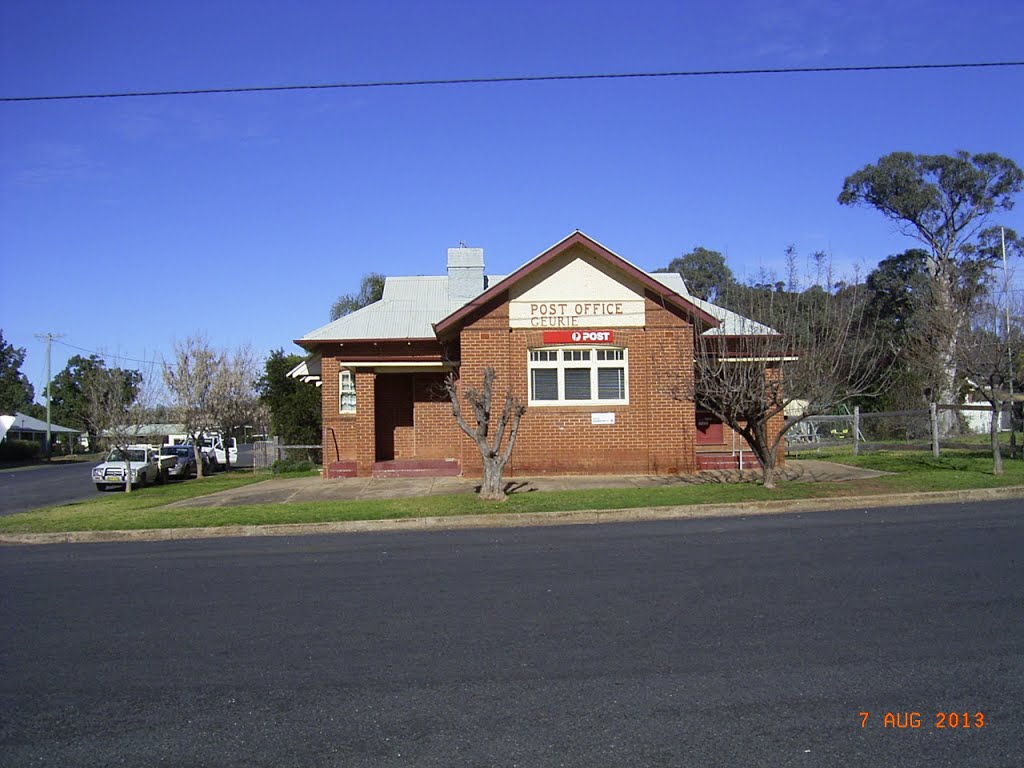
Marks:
<point>921,429</point>
<point>266,453</point>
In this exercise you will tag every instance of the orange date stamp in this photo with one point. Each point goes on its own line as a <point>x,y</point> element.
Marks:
<point>914,720</point>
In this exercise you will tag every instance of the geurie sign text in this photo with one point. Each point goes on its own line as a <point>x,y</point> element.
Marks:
<point>579,337</point>
<point>575,314</point>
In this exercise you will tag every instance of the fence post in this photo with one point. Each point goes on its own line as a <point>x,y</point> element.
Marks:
<point>856,430</point>
<point>935,429</point>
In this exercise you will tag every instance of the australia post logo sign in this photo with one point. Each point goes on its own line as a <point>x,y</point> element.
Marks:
<point>579,337</point>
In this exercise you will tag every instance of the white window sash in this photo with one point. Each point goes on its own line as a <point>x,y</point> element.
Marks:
<point>346,391</point>
<point>593,365</point>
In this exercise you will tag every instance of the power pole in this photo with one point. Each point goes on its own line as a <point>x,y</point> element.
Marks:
<point>49,340</point>
<point>1009,349</point>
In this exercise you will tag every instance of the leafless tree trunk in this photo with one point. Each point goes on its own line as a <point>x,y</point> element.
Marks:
<point>997,454</point>
<point>116,405</point>
<point>818,351</point>
<point>495,455</point>
<point>985,359</point>
<point>190,379</point>
<point>233,394</point>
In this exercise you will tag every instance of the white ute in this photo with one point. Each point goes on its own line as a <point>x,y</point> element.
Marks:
<point>144,462</point>
<point>213,446</point>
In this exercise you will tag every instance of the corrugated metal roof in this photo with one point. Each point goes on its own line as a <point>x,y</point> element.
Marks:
<point>731,324</point>
<point>411,305</point>
<point>19,422</point>
<point>408,310</point>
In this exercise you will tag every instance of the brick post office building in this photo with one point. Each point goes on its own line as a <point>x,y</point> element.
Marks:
<point>598,349</point>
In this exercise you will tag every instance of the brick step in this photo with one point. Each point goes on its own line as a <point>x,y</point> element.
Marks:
<point>341,469</point>
<point>417,468</point>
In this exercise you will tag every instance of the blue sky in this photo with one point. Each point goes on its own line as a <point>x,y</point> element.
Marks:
<point>128,223</point>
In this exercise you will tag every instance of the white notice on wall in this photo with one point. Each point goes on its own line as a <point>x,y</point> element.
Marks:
<point>602,418</point>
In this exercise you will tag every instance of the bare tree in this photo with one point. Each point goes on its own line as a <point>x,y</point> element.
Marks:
<point>985,358</point>
<point>116,403</point>
<point>233,398</point>
<point>818,350</point>
<point>495,455</point>
<point>190,379</point>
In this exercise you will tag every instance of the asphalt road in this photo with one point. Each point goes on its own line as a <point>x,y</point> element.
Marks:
<point>728,642</point>
<point>61,483</point>
<point>42,486</point>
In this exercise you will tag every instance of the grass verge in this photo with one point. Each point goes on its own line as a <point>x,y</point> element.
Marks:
<point>912,472</point>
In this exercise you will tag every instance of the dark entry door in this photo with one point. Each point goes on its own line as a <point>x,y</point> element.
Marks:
<point>393,394</point>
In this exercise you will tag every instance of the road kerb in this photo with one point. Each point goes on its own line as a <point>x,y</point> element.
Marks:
<point>523,519</point>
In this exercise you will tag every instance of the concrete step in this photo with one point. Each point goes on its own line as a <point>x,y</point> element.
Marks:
<point>341,469</point>
<point>726,461</point>
<point>417,468</point>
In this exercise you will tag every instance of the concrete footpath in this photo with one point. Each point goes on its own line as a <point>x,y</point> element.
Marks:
<point>314,489</point>
<point>290,490</point>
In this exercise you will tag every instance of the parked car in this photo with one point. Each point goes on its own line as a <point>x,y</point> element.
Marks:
<point>144,463</point>
<point>215,448</point>
<point>184,461</point>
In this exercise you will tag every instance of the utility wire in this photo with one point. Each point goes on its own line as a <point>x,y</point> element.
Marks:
<point>105,355</point>
<point>517,79</point>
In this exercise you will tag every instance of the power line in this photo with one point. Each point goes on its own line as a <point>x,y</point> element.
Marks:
<point>112,355</point>
<point>517,79</point>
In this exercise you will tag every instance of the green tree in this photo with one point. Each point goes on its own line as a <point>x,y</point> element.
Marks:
<point>70,390</point>
<point>945,203</point>
<point>370,290</point>
<point>295,409</point>
<point>16,391</point>
<point>116,405</point>
<point>898,299</point>
<point>704,271</point>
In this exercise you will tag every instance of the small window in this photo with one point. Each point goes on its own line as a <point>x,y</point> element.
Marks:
<point>577,383</point>
<point>544,384</point>
<point>611,384</point>
<point>346,392</point>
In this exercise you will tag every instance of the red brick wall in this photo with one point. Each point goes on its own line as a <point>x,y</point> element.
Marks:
<point>437,435</point>
<point>432,434</point>
<point>654,434</point>
<point>347,436</point>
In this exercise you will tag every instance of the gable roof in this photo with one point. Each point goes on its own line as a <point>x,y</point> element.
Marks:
<point>20,422</point>
<point>497,289</point>
<point>419,308</point>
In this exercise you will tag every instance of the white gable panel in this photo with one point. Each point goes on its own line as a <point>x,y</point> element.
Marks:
<point>578,295</point>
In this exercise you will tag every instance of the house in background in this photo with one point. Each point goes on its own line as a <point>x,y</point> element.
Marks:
<point>597,348</point>
<point>22,427</point>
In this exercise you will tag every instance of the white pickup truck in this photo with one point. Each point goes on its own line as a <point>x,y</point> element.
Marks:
<point>144,462</point>
<point>213,446</point>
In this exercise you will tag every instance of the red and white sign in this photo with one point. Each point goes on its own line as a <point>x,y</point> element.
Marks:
<point>579,337</point>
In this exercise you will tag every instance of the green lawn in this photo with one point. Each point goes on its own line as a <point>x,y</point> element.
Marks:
<point>954,470</point>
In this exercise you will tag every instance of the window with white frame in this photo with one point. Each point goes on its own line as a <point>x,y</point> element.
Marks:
<point>578,376</point>
<point>346,391</point>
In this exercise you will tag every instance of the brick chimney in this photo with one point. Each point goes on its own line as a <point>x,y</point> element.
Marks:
<point>465,275</point>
